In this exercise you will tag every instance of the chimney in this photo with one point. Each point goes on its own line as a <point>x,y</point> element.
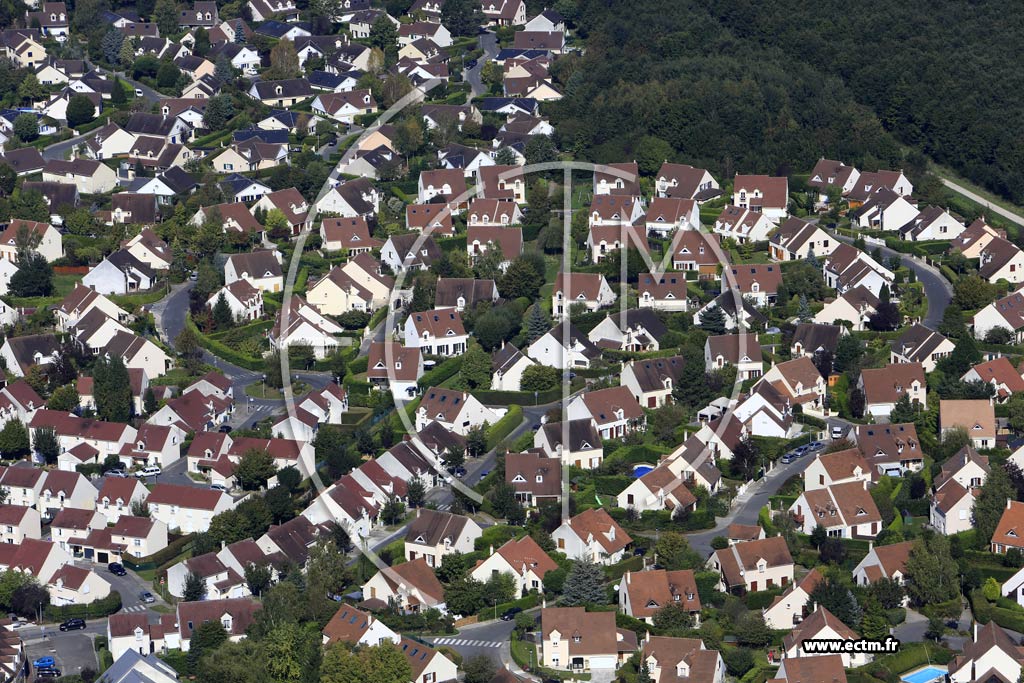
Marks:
<point>1009,502</point>
<point>418,512</point>
<point>628,574</point>
<point>975,631</point>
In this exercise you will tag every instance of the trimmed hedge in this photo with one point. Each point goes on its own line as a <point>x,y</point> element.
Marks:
<point>160,557</point>
<point>503,398</point>
<point>505,426</point>
<point>441,372</point>
<point>100,608</point>
<point>359,365</point>
<point>529,602</point>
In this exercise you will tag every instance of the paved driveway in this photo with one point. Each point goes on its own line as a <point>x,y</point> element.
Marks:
<point>71,651</point>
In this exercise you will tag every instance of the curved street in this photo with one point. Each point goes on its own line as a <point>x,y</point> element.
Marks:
<point>937,289</point>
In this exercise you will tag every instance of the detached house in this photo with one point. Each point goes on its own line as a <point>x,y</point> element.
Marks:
<point>455,410</point>
<point>762,194</point>
<point>588,289</point>
<point>991,655</point>
<point>687,182</point>
<point>410,587</point>
<point>1006,314</point>
<point>391,365</point>
<point>1005,379</point>
<point>434,534</point>
<point>883,562</point>
<point>186,508</point>
<point>884,387</point>
<point>437,333</point>
<point>830,176</point>
<point>743,225</point>
<point>753,565</point>
<point>822,625</point>
<point>534,477</point>
<point>742,351</point>
<point>642,594</point>
<point>344,106</point>
<point>664,292</point>
<point>281,94</point>
<point>523,559</point>
<point>652,380</point>
<point>1009,532</point>
<point>797,239</point>
<point>49,244</point>
<point>614,411</point>
<point>920,345</point>
<point>843,510</point>
<point>838,467</point>
<point>260,269</point>
<point>579,641</point>
<point>976,417</point>
<point>659,489</point>
<point>799,381</point>
<point>576,442</point>
<point>592,536</point>
<point>790,608</point>
<point>1001,260</point>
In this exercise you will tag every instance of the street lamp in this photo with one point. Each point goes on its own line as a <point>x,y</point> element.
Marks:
<point>263,384</point>
<point>495,602</point>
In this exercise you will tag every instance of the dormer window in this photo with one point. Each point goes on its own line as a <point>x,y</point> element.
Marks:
<point>576,638</point>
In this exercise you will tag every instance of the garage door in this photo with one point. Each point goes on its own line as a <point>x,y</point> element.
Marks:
<point>602,662</point>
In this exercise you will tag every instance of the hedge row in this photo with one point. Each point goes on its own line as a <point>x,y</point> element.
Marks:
<point>505,426</point>
<point>160,557</point>
<point>502,398</point>
<point>223,351</point>
<point>359,365</point>
<point>529,602</point>
<point>95,610</point>
<point>441,372</point>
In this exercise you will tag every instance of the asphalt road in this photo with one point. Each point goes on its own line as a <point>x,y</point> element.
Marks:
<point>170,315</point>
<point>957,187</point>
<point>489,639</point>
<point>750,503</point>
<point>72,651</point>
<point>489,44</point>
<point>937,290</point>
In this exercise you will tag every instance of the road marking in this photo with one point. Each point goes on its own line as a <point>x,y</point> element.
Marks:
<point>135,608</point>
<point>466,642</point>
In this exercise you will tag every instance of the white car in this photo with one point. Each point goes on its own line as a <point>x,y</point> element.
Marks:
<point>149,471</point>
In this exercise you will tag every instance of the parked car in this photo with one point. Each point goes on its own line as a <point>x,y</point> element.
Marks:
<point>837,432</point>
<point>225,429</point>
<point>49,672</point>
<point>815,445</point>
<point>219,487</point>
<point>75,624</point>
<point>121,474</point>
<point>483,475</point>
<point>787,458</point>
<point>471,64</point>
<point>511,613</point>
<point>639,552</point>
<point>147,597</point>
<point>44,663</point>
<point>117,569</point>
<point>148,471</point>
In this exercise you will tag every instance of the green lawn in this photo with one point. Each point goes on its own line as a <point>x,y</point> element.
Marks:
<point>261,390</point>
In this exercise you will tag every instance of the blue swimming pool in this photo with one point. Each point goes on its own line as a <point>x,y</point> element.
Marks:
<point>641,470</point>
<point>925,675</point>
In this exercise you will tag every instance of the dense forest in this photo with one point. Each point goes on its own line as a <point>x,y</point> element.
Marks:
<point>768,85</point>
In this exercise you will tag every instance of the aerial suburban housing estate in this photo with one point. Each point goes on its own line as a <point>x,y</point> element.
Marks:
<point>503,341</point>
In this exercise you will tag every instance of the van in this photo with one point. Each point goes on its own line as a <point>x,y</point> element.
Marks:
<point>837,432</point>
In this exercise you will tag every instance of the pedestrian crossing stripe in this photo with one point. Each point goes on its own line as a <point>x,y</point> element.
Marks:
<point>135,608</point>
<point>465,642</point>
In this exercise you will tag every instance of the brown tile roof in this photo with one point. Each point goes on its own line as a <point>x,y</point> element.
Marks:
<point>525,552</point>
<point>846,504</point>
<point>819,669</point>
<point>743,532</point>
<point>774,191</point>
<point>842,464</point>
<point>434,527</point>
<point>403,365</point>
<point>767,277</point>
<point>424,216</point>
<point>192,614</point>
<point>965,455</point>
<point>893,558</point>
<point>184,496</point>
<point>687,179</point>
<point>888,384</point>
<point>417,574</point>
<point>587,284</point>
<point>1001,372</point>
<point>439,322</point>
<point>347,625</point>
<point>651,590</point>
<point>744,557</point>
<point>669,653</point>
<point>598,524</point>
<point>976,416</point>
<point>509,239</point>
<point>595,630</point>
<point>132,527</point>
<point>1010,530</point>
<point>529,466</point>
<point>603,404</point>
